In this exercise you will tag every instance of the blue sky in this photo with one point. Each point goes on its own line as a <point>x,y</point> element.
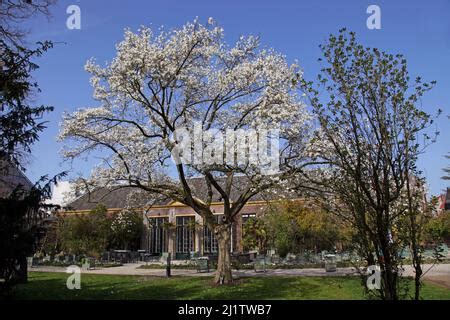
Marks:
<point>418,29</point>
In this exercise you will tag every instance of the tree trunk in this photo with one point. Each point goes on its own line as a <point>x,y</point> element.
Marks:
<point>19,271</point>
<point>223,273</point>
<point>23,270</point>
<point>390,275</point>
<point>417,282</point>
<point>370,259</point>
<point>416,260</point>
<point>417,263</point>
<point>390,284</point>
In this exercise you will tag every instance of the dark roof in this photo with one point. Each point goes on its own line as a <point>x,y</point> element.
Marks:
<point>117,198</point>
<point>10,178</point>
<point>111,198</point>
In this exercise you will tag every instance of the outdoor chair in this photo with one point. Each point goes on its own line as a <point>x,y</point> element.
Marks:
<point>212,259</point>
<point>88,264</point>
<point>105,257</point>
<point>124,256</point>
<point>301,260</point>
<point>141,254</point>
<point>275,259</point>
<point>134,256</point>
<point>164,257</point>
<point>330,263</point>
<point>202,264</point>
<point>182,256</point>
<point>260,263</point>
<point>243,258</point>
<point>194,254</point>
<point>151,257</point>
<point>68,259</point>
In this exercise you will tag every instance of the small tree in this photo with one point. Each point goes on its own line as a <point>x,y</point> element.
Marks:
<point>366,147</point>
<point>20,126</point>
<point>20,213</point>
<point>282,232</point>
<point>85,234</point>
<point>126,229</point>
<point>437,228</point>
<point>255,235</point>
<point>21,210</point>
<point>297,227</point>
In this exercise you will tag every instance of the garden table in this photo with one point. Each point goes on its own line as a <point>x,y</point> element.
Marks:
<point>124,255</point>
<point>141,254</point>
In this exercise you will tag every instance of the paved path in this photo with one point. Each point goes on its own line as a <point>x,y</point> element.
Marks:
<point>132,269</point>
<point>126,269</point>
<point>439,274</point>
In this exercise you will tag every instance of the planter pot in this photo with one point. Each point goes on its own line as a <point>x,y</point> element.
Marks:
<point>330,263</point>
<point>30,262</point>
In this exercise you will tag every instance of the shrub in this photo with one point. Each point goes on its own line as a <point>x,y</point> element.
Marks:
<point>126,230</point>
<point>85,234</point>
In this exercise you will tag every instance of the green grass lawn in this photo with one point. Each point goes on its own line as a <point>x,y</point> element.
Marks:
<point>43,285</point>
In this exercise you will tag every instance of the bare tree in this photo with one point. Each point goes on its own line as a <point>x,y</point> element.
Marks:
<point>14,12</point>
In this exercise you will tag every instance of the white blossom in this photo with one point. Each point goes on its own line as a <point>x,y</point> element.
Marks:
<point>157,83</point>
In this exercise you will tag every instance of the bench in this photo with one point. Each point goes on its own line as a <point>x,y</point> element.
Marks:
<point>202,264</point>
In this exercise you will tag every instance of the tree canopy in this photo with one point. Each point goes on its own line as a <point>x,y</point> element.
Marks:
<point>371,131</point>
<point>178,79</point>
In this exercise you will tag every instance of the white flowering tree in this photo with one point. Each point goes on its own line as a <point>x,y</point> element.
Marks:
<point>159,83</point>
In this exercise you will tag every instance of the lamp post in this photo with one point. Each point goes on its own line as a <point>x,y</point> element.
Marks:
<point>168,265</point>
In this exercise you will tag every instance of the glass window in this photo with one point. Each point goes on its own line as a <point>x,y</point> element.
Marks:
<point>209,238</point>
<point>157,237</point>
<point>185,234</point>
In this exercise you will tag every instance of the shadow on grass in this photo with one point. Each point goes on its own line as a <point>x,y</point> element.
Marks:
<point>52,286</point>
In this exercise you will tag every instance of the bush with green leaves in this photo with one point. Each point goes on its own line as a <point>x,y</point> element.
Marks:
<point>293,227</point>
<point>85,234</point>
<point>437,228</point>
<point>254,235</point>
<point>126,230</point>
